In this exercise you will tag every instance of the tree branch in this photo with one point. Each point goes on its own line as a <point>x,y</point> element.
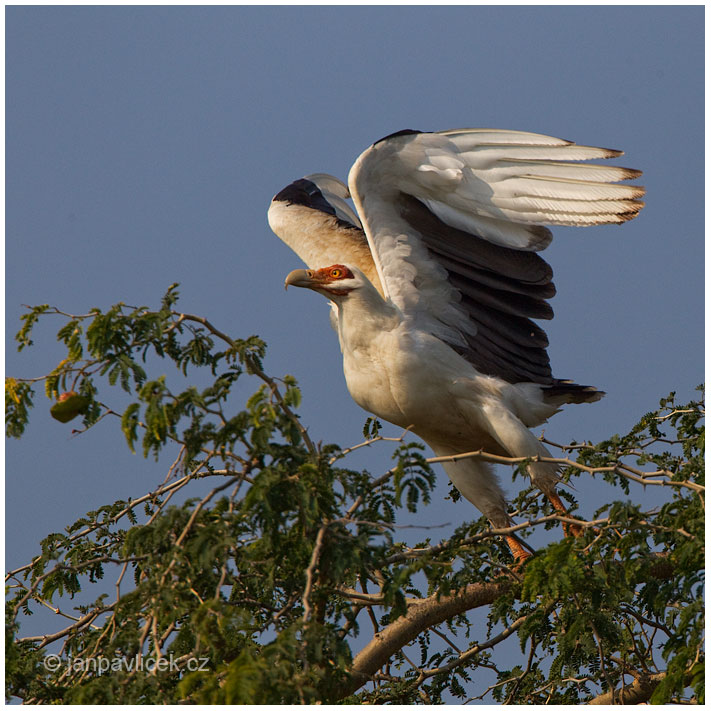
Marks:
<point>420,615</point>
<point>638,475</point>
<point>639,691</point>
<point>310,572</point>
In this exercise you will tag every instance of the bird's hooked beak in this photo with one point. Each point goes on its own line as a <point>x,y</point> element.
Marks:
<point>327,281</point>
<point>301,277</point>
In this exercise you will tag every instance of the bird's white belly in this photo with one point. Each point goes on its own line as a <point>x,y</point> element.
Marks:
<point>404,378</point>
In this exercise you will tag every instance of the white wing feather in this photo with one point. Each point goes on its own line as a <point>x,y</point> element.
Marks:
<point>502,186</point>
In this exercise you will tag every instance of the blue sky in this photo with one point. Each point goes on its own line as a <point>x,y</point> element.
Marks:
<point>143,145</point>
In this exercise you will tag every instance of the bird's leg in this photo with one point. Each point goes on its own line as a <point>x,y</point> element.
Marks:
<point>519,441</point>
<point>570,529</point>
<point>520,554</point>
<point>476,482</point>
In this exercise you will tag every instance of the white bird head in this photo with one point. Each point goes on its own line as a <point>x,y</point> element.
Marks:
<point>334,282</point>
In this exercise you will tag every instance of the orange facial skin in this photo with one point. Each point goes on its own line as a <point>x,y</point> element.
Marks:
<point>324,280</point>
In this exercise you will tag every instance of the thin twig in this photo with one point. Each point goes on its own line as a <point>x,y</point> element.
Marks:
<point>310,571</point>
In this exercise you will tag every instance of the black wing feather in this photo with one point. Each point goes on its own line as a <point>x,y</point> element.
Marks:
<point>501,289</point>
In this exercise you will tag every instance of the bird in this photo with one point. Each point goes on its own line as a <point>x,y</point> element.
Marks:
<point>434,279</point>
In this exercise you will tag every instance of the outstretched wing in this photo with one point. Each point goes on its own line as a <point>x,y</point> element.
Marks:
<point>312,216</point>
<point>454,220</point>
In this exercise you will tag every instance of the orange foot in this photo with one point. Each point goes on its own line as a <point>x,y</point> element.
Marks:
<point>570,529</point>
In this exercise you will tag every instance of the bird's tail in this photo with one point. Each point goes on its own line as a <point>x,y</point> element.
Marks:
<point>563,392</point>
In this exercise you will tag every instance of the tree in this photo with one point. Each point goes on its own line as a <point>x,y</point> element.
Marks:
<point>289,582</point>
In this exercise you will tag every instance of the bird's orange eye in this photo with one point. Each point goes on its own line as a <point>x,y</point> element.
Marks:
<point>336,273</point>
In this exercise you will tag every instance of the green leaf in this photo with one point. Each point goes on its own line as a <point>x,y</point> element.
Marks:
<point>129,425</point>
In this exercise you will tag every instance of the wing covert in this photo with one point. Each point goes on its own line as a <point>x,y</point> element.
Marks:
<point>312,216</point>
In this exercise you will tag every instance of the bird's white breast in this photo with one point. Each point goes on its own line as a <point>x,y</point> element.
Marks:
<point>402,375</point>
